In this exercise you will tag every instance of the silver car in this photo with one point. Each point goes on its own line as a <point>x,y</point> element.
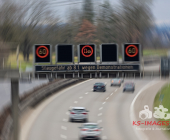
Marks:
<point>90,131</point>
<point>78,114</point>
<point>115,82</point>
<point>121,79</point>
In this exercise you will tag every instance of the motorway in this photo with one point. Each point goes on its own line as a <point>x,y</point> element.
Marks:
<point>113,110</point>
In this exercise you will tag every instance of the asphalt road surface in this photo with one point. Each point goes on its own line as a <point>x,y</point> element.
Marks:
<point>113,110</point>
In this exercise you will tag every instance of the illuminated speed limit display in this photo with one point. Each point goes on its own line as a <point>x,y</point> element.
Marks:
<point>42,53</point>
<point>87,53</point>
<point>131,52</point>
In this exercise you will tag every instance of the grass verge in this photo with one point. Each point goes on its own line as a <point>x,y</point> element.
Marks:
<point>158,52</point>
<point>163,98</point>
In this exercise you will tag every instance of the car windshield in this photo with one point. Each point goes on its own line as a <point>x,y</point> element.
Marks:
<point>128,85</point>
<point>78,110</point>
<point>116,80</point>
<point>99,84</point>
<point>90,126</point>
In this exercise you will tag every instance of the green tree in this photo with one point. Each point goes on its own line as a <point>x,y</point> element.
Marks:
<point>106,23</point>
<point>137,19</point>
<point>88,11</point>
<point>86,32</point>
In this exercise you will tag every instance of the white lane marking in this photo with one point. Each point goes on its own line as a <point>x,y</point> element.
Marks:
<point>107,98</point>
<point>63,136</point>
<point>115,90</point>
<point>71,107</point>
<point>111,94</point>
<point>105,83</point>
<point>67,113</point>
<point>99,121</point>
<point>63,127</point>
<point>104,137</point>
<point>75,102</point>
<point>86,93</point>
<point>64,120</point>
<point>26,127</point>
<point>139,134</point>
<point>104,103</point>
<point>91,89</point>
<point>80,97</point>
<point>101,108</point>
<point>100,114</point>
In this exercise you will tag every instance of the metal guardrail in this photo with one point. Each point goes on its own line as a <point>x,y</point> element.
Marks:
<point>6,132</point>
<point>42,93</point>
<point>32,100</point>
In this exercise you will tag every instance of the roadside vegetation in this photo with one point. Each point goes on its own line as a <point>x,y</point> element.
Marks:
<point>25,23</point>
<point>155,52</point>
<point>162,98</point>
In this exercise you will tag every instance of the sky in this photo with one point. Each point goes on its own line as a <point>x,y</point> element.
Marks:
<point>160,9</point>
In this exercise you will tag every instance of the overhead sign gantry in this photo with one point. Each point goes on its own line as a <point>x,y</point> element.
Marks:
<point>87,58</point>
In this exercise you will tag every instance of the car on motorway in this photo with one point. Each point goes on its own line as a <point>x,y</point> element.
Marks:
<point>122,80</point>
<point>116,82</point>
<point>78,114</point>
<point>99,87</point>
<point>90,131</point>
<point>129,86</point>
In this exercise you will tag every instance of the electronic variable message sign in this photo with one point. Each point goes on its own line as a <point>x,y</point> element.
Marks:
<point>42,53</point>
<point>87,52</point>
<point>86,67</point>
<point>165,64</point>
<point>131,52</point>
<point>64,53</point>
<point>108,53</point>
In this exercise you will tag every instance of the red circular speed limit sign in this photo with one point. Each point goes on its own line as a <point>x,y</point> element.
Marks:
<point>87,51</point>
<point>42,51</point>
<point>131,51</point>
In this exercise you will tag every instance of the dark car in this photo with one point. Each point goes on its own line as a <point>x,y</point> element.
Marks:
<point>99,87</point>
<point>129,86</point>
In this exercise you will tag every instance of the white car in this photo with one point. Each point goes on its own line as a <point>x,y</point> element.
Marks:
<point>90,131</point>
<point>78,114</point>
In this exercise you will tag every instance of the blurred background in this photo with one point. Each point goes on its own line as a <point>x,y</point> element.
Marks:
<point>24,23</point>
